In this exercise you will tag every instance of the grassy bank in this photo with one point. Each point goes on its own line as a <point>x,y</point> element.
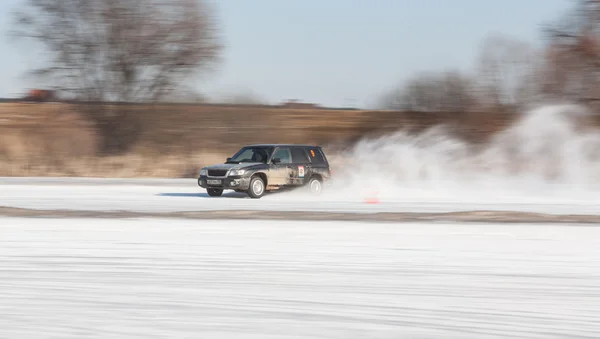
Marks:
<point>56,139</point>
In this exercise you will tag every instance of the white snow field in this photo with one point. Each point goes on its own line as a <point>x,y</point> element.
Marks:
<point>152,278</point>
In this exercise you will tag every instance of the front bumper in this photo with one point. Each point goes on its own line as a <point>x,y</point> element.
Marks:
<point>230,183</point>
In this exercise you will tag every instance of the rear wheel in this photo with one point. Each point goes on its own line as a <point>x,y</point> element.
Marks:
<point>214,192</point>
<point>257,188</point>
<point>315,186</point>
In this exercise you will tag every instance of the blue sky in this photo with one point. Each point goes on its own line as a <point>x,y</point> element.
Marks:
<point>334,52</point>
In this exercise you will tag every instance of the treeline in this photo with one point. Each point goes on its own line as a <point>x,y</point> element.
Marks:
<point>511,74</point>
<point>151,50</point>
<point>132,51</point>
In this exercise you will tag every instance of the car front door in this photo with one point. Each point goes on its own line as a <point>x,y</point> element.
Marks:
<point>281,171</point>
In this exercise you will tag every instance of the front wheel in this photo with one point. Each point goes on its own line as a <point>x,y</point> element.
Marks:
<point>213,192</point>
<point>257,188</point>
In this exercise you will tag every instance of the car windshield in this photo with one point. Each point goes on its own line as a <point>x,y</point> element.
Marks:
<point>252,154</point>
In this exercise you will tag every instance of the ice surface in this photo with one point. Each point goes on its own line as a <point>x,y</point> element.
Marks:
<point>147,195</point>
<point>94,278</point>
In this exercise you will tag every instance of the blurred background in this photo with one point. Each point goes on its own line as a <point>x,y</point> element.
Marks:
<point>463,138</point>
<point>146,88</point>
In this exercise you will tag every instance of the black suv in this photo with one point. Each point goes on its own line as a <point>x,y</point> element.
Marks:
<point>257,169</point>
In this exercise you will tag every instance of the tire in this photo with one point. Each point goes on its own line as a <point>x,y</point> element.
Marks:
<point>257,188</point>
<point>315,186</point>
<point>214,192</point>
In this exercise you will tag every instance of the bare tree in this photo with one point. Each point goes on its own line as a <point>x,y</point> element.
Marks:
<point>120,51</point>
<point>432,92</point>
<point>573,55</point>
<point>508,71</point>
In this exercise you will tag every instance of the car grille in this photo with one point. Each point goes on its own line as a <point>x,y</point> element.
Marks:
<point>217,173</point>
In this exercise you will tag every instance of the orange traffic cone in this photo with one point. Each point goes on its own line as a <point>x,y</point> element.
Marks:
<point>372,198</point>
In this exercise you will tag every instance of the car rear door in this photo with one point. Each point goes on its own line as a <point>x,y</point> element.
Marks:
<point>300,166</point>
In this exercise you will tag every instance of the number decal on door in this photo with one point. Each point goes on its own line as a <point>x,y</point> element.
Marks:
<point>301,171</point>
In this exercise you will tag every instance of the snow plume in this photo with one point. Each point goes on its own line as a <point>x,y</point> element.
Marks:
<point>549,150</point>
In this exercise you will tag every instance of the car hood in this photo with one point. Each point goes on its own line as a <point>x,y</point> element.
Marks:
<point>233,166</point>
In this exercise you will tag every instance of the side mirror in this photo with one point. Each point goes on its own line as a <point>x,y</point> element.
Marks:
<point>228,159</point>
<point>276,160</point>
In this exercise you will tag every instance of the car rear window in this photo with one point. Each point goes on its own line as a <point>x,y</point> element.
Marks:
<point>316,156</point>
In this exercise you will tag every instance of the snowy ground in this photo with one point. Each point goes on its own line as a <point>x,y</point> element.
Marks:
<point>96,278</point>
<point>174,195</point>
<point>173,278</point>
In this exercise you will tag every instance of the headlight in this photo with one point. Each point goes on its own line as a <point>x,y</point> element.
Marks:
<point>237,172</point>
<point>203,171</point>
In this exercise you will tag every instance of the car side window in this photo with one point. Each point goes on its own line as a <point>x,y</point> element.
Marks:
<point>284,155</point>
<point>299,156</point>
